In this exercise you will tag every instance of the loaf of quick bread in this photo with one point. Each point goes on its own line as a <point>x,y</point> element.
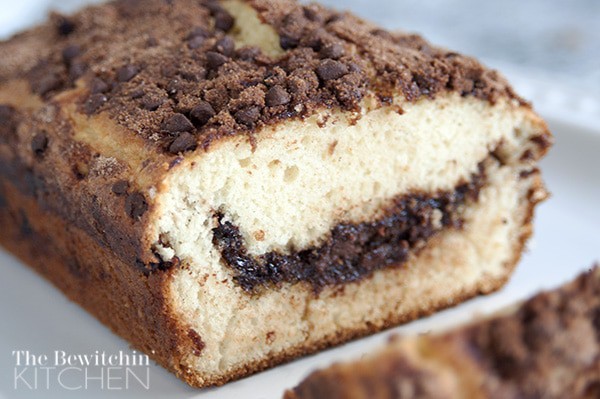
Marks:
<point>548,347</point>
<point>232,184</point>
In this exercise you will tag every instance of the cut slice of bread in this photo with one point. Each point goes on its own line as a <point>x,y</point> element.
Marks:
<point>229,185</point>
<point>547,347</point>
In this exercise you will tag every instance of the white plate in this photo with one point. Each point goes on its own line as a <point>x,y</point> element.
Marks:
<point>37,317</point>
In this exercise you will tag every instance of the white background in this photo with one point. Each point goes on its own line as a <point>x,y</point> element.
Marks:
<point>37,317</point>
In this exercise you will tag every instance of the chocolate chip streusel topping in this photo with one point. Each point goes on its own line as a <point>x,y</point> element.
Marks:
<point>550,348</point>
<point>169,70</point>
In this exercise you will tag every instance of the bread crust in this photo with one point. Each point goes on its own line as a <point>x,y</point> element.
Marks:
<point>120,296</point>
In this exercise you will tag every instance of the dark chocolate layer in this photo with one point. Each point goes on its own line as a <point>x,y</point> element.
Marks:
<point>353,250</point>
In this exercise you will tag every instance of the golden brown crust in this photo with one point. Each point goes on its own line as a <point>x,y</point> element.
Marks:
<point>121,297</point>
<point>88,171</point>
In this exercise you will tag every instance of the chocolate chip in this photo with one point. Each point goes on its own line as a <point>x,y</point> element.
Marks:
<point>214,59</point>
<point>173,86</point>
<point>6,114</point>
<point>39,143</point>
<point>191,76</point>
<point>311,14</point>
<point>184,142</point>
<point>46,84</point>
<point>120,187</point>
<point>354,67</point>
<point>330,69</point>
<point>223,21</point>
<point>383,34</point>
<point>8,123</point>
<point>65,27</point>
<point>334,18</point>
<point>71,52</point>
<point>98,86</point>
<point>202,113</point>
<point>151,103</point>
<point>277,95</point>
<point>248,53</point>
<point>127,72</point>
<point>225,46</point>
<point>197,37</point>
<point>76,70</point>
<point>197,32</point>
<point>136,205</point>
<point>151,42</point>
<point>196,42</point>
<point>137,93</point>
<point>332,50</point>
<point>287,42</point>
<point>94,102</point>
<point>247,116</point>
<point>177,123</point>
<point>316,39</point>
<point>214,7</point>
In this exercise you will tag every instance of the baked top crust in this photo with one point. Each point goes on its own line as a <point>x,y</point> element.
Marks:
<point>177,74</point>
